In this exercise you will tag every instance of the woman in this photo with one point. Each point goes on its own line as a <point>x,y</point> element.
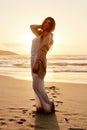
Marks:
<point>40,46</point>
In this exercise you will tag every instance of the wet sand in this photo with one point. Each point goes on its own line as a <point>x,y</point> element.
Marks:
<point>18,112</point>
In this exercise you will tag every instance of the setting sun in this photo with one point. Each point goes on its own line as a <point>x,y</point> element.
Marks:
<point>27,37</point>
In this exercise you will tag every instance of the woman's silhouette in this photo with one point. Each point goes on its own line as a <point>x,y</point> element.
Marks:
<point>40,46</point>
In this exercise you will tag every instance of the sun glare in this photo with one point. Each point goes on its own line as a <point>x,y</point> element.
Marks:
<point>27,38</point>
<point>26,41</point>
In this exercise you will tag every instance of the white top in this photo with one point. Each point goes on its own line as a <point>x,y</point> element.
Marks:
<point>35,46</point>
<point>34,49</point>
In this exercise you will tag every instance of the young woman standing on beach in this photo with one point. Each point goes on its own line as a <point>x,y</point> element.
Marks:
<point>40,46</point>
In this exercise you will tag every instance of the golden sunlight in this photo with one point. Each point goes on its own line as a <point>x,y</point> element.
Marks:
<point>57,40</point>
<point>27,38</point>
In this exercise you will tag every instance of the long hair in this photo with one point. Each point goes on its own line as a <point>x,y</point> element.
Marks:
<point>52,24</point>
<point>50,29</point>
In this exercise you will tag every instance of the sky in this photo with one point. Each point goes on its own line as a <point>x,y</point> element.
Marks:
<point>70,35</point>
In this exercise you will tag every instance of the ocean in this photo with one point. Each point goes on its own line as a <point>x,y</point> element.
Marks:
<point>60,68</point>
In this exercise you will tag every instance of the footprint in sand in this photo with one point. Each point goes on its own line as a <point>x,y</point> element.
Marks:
<point>34,105</point>
<point>16,117</point>
<point>32,99</point>
<point>21,121</point>
<point>59,102</point>
<point>20,109</point>
<point>24,111</point>
<point>54,96</point>
<point>11,120</point>
<point>53,93</point>
<point>52,87</point>
<point>3,123</point>
<point>1,119</point>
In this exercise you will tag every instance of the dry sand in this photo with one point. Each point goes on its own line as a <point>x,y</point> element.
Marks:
<point>17,106</point>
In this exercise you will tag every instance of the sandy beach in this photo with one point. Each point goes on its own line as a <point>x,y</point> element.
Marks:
<point>17,106</point>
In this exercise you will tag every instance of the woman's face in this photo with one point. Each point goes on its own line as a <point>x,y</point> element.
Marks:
<point>46,24</point>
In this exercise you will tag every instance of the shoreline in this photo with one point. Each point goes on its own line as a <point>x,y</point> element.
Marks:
<point>46,81</point>
<point>17,106</point>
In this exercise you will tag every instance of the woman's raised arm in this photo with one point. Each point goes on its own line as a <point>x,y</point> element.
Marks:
<point>36,29</point>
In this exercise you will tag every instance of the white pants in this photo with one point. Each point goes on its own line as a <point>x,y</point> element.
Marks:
<point>41,98</point>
